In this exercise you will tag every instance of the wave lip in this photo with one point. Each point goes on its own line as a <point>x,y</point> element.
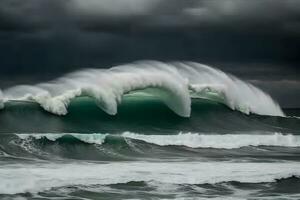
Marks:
<point>192,140</point>
<point>173,83</point>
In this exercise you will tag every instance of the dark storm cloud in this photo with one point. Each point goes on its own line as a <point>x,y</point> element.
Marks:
<point>261,15</point>
<point>30,15</point>
<point>218,29</point>
<point>207,30</point>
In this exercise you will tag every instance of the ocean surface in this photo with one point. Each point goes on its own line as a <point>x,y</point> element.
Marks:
<point>147,130</point>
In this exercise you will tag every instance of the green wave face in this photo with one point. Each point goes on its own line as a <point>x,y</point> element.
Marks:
<point>137,113</point>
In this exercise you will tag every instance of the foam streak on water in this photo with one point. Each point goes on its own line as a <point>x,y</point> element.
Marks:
<point>20,178</point>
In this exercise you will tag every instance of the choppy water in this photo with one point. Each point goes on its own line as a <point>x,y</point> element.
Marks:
<point>216,153</point>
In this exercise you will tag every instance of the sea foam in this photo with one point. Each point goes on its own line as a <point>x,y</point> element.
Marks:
<point>37,177</point>
<point>192,140</point>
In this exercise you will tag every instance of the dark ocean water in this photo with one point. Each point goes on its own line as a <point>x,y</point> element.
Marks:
<point>147,152</point>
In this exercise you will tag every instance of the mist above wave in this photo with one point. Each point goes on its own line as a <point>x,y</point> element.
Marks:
<point>173,83</point>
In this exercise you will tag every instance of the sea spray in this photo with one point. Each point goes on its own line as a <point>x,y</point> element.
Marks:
<point>173,83</point>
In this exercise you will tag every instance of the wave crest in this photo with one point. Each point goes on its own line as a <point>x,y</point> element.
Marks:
<point>174,83</point>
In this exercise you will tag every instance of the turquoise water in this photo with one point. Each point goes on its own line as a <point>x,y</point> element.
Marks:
<point>146,114</point>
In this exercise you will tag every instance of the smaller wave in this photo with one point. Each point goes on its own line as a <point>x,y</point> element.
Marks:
<point>94,138</point>
<point>192,140</point>
<point>227,141</point>
<point>293,117</point>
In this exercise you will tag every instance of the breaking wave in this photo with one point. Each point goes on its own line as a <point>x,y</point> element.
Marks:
<point>173,83</point>
<point>192,140</point>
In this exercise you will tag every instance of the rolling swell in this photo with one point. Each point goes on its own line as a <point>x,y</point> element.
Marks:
<point>173,83</point>
<point>131,146</point>
<point>192,140</point>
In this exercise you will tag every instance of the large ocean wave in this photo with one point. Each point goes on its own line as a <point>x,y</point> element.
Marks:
<point>173,83</point>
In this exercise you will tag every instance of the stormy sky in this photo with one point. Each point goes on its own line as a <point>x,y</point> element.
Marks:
<point>257,40</point>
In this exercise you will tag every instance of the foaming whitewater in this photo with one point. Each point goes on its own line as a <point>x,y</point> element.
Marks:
<point>227,141</point>
<point>192,140</point>
<point>87,138</point>
<point>22,178</point>
<point>173,83</point>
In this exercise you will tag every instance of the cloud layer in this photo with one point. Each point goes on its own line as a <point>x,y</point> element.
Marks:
<point>94,15</point>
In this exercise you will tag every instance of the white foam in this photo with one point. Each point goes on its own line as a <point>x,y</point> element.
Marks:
<point>193,140</point>
<point>92,138</point>
<point>171,82</point>
<point>238,95</point>
<point>20,178</point>
<point>226,141</point>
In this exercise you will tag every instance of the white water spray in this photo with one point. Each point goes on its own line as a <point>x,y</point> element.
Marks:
<point>175,84</point>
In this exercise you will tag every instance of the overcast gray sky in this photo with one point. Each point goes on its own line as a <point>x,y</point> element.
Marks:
<point>257,40</point>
